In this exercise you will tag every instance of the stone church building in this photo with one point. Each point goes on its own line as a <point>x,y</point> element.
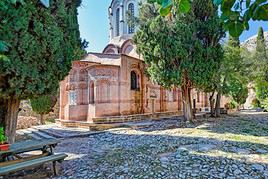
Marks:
<point>113,83</point>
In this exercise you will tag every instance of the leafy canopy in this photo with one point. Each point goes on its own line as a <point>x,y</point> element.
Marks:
<point>236,14</point>
<point>237,89</point>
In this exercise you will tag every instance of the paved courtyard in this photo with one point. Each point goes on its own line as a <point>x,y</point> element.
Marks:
<point>231,147</point>
<point>235,146</point>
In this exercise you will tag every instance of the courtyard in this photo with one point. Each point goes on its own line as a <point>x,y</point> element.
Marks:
<point>234,146</point>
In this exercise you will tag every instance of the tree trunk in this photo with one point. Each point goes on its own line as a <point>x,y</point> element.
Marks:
<point>9,115</point>
<point>187,104</point>
<point>211,102</point>
<point>42,119</point>
<point>238,107</point>
<point>218,105</point>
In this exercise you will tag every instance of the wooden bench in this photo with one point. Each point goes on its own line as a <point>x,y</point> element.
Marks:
<point>25,164</point>
<point>13,161</point>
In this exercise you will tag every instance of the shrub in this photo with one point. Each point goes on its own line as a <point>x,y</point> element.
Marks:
<point>43,105</point>
<point>3,138</point>
<point>264,104</point>
<point>256,103</point>
<point>231,105</point>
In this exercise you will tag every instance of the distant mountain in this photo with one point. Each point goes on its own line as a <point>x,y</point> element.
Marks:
<point>250,43</point>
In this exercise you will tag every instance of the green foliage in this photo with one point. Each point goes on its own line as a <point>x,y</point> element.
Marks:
<point>256,103</point>
<point>257,62</point>
<point>232,62</point>
<point>172,52</point>
<point>3,138</point>
<point>261,88</point>
<point>183,6</point>
<point>39,46</point>
<point>230,66</point>
<point>236,14</point>
<point>237,89</point>
<point>264,104</point>
<point>231,105</point>
<point>42,104</point>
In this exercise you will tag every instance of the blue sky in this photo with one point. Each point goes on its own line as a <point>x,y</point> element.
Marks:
<point>93,23</point>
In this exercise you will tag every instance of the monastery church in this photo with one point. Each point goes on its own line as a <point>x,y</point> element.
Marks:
<point>113,84</point>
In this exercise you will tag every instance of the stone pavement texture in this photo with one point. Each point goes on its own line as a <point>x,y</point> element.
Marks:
<point>231,147</point>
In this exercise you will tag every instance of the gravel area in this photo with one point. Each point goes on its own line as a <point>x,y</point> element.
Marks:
<point>230,147</point>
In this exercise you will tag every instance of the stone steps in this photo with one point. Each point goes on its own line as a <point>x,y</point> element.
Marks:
<point>135,117</point>
<point>35,134</point>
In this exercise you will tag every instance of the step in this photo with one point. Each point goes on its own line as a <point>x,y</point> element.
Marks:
<point>29,133</point>
<point>40,134</point>
<point>43,135</point>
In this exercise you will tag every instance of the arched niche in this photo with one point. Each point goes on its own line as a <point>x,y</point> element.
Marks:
<point>135,80</point>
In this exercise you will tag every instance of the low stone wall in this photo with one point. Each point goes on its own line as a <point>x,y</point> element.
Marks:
<point>104,123</point>
<point>25,122</point>
<point>135,117</point>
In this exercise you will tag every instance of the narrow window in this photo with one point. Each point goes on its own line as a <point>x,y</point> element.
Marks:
<point>117,19</point>
<point>198,97</point>
<point>134,81</point>
<point>131,26</point>
<point>72,98</point>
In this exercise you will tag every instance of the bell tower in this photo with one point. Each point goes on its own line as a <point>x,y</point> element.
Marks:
<point>121,12</point>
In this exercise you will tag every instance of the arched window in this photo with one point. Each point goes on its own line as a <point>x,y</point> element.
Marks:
<point>134,81</point>
<point>131,26</point>
<point>117,21</point>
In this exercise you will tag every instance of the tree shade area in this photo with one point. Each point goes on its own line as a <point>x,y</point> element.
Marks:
<point>37,47</point>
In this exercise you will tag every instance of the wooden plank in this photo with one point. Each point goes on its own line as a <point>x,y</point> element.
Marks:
<point>2,164</point>
<point>31,163</point>
<point>29,145</point>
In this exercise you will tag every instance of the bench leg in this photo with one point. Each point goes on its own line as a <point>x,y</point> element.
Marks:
<point>54,168</point>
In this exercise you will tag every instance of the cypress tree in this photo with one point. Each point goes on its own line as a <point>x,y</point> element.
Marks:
<point>41,44</point>
<point>182,50</point>
<point>260,63</point>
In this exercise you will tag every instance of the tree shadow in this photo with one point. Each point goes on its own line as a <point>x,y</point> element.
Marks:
<point>241,125</point>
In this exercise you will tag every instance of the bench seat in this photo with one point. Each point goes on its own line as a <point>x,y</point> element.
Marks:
<point>31,163</point>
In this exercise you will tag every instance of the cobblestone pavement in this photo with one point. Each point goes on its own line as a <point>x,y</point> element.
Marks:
<point>230,147</point>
